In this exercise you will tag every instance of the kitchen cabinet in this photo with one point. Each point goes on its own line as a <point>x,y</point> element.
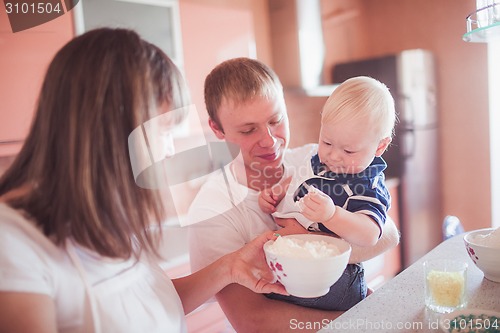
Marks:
<point>24,57</point>
<point>384,267</point>
<point>208,317</point>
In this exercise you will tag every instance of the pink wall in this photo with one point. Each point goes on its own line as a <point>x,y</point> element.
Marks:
<point>217,30</point>
<point>214,30</point>
<point>462,94</point>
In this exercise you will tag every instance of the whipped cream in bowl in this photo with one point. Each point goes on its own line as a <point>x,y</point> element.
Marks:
<point>307,264</point>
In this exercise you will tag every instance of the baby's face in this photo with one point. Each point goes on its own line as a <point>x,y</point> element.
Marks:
<point>348,147</point>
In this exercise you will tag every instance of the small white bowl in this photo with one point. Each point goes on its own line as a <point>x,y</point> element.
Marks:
<point>486,258</point>
<point>309,277</point>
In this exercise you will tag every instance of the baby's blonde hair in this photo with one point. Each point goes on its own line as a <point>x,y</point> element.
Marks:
<point>362,98</point>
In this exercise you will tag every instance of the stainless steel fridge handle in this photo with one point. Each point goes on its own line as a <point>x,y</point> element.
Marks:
<point>407,128</point>
<point>409,146</point>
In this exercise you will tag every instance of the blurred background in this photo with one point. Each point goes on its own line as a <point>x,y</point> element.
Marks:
<point>447,143</point>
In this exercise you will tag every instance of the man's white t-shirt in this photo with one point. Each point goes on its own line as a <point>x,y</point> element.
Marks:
<point>91,293</point>
<point>230,214</point>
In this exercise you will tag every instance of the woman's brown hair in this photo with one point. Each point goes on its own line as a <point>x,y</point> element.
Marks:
<point>75,161</point>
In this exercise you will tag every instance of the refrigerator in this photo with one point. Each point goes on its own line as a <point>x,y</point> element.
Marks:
<point>413,157</point>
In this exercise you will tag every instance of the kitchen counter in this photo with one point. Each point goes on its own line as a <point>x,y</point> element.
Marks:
<point>398,306</point>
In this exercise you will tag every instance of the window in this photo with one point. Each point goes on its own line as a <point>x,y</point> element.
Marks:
<point>157,21</point>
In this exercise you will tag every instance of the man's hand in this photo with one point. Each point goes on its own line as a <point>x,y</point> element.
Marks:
<point>289,226</point>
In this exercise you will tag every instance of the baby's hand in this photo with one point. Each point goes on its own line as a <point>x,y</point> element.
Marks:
<point>267,201</point>
<point>317,206</point>
<point>269,198</point>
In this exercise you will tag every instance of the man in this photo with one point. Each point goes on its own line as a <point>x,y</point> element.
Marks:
<point>246,107</point>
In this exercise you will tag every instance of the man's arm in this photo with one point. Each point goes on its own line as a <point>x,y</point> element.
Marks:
<point>250,312</point>
<point>390,238</point>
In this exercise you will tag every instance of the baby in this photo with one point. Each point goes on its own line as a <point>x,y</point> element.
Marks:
<point>341,190</point>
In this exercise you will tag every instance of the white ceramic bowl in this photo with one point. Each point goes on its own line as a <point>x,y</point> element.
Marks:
<point>486,258</point>
<point>309,277</point>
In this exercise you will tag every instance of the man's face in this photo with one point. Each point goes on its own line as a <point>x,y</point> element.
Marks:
<point>260,128</point>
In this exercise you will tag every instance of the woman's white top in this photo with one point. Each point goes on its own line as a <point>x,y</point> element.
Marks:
<point>91,293</point>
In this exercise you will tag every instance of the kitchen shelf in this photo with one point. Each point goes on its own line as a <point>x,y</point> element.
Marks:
<point>483,35</point>
<point>483,25</point>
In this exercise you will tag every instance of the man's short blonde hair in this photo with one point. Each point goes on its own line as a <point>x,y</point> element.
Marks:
<point>238,81</point>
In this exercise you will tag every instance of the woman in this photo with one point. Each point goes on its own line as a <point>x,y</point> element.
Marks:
<point>75,254</point>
